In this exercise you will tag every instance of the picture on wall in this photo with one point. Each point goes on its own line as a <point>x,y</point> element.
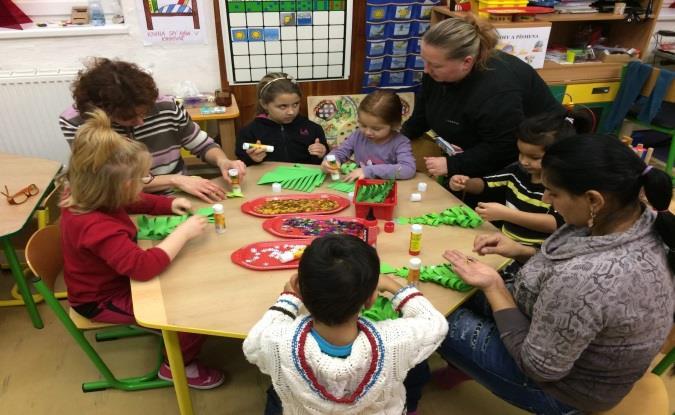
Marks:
<point>308,39</point>
<point>171,21</point>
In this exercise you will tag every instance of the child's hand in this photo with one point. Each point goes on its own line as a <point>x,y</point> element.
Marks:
<point>257,154</point>
<point>492,211</point>
<point>458,182</point>
<point>388,284</point>
<point>288,287</point>
<point>317,149</point>
<point>181,206</point>
<point>328,169</point>
<point>192,227</point>
<point>355,175</point>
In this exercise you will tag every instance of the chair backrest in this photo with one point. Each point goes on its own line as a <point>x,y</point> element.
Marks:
<point>648,86</point>
<point>43,254</point>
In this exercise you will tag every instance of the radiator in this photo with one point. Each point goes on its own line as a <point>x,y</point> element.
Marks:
<point>30,105</point>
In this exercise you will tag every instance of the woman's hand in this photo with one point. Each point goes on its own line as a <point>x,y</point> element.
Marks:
<point>257,154</point>
<point>500,244</point>
<point>437,166</point>
<point>355,175</point>
<point>202,188</point>
<point>458,182</point>
<point>472,271</point>
<point>192,227</point>
<point>181,206</point>
<point>491,211</point>
<point>226,165</point>
<point>317,149</point>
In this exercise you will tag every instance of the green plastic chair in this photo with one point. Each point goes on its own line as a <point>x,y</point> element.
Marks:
<point>43,254</point>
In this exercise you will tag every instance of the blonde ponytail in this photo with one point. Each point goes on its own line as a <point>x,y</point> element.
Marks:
<point>462,37</point>
<point>103,165</point>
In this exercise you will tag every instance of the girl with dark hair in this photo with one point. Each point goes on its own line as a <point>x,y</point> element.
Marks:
<point>279,126</point>
<point>586,314</point>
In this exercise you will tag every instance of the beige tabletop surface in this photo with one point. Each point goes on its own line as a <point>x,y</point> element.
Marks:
<point>203,291</point>
<point>17,172</point>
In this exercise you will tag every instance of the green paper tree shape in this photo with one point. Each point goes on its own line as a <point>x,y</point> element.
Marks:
<point>442,275</point>
<point>156,228</point>
<point>382,309</point>
<point>461,215</point>
<point>374,193</point>
<point>297,177</point>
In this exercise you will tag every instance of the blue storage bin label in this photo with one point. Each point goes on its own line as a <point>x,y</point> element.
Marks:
<point>376,31</point>
<point>373,79</point>
<point>376,48</point>
<point>399,47</point>
<point>402,12</point>
<point>397,78</point>
<point>377,13</point>
<point>375,64</point>
<point>398,62</point>
<point>401,29</point>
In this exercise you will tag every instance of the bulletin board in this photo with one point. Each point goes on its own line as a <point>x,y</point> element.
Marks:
<point>308,39</point>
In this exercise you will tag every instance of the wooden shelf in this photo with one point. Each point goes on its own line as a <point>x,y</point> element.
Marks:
<point>554,73</point>
<point>577,17</point>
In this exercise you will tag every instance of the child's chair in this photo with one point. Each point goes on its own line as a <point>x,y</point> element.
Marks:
<point>648,396</point>
<point>43,254</point>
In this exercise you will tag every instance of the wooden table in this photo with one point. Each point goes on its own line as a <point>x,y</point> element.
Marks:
<point>225,125</point>
<point>17,172</point>
<point>204,292</point>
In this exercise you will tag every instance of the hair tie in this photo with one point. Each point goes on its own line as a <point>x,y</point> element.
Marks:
<point>646,170</point>
<point>569,120</point>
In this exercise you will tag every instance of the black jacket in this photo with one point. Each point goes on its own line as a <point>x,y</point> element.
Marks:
<point>290,141</point>
<point>481,113</point>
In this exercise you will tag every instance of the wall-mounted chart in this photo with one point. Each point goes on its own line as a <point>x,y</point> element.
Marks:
<point>308,39</point>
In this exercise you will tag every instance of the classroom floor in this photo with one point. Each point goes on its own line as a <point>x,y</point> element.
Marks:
<point>41,372</point>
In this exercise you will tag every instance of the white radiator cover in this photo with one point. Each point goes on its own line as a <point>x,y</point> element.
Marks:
<point>30,105</point>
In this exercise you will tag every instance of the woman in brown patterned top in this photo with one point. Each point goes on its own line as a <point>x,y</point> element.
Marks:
<point>586,314</point>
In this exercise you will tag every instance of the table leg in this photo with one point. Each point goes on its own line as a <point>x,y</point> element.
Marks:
<point>20,279</point>
<point>227,137</point>
<point>175,357</point>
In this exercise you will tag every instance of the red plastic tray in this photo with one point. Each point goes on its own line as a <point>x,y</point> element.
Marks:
<point>249,206</point>
<point>276,227</point>
<point>263,261</point>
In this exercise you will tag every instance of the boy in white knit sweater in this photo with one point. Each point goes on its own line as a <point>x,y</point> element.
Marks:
<point>331,361</point>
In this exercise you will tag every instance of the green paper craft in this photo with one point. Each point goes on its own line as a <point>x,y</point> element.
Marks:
<point>382,309</point>
<point>348,167</point>
<point>297,177</point>
<point>374,193</point>
<point>233,194</point>
<point>442,275</point>
<point>156,228</point>
<point>342,186</point>
<point>462,216</point>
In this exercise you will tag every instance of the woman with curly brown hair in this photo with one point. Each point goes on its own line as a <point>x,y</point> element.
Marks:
<point>129,96</point>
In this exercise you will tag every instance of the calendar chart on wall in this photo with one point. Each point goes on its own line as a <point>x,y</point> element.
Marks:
<point>308,39</point>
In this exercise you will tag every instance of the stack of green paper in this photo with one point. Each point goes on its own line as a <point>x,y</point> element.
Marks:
<point>342,186</point>
<point>156,228</point>
<point>461,215</point>
<point>374,193</point>
<point>297,177</point>
<point>382,309</point>
<point>440,274</point>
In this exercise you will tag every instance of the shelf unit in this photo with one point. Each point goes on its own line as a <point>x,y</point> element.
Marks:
<point>564,28</point>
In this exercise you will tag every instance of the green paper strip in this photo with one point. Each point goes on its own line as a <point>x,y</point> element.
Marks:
<point>382,309</point>
<point>156,228</point>
<point>342,186</point>
<point>374,193</point>
<point>348,167</point>
<point>386,268</point>
<point>442,275</point>
<point>462,216</point>
<point>297,177</point>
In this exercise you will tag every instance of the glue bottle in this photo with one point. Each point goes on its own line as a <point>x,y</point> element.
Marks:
<point>414,271</point>
<point>219,218</point>
<point>332,163</point>
<point>234,178</point>
<point>415,239</point>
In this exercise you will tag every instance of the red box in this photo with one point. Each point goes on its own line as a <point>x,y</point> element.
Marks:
<point>384,210</point>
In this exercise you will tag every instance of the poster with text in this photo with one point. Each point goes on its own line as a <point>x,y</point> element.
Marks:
<point>307,39</point>
<point>527,43</point>
<point>171,21</point>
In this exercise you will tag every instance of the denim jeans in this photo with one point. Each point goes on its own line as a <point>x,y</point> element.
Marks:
<point>473,345</point>
<point>414,382</point>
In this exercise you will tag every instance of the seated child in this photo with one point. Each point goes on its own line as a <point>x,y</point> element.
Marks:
<point>294,138</point>
<point>331,360</point>
<point>526,217</point>
<point>377,146</point>
<point>103,184</point>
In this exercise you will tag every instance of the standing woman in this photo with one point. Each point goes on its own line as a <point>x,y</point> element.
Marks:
<point>587,314</point>
<point>474,97</point>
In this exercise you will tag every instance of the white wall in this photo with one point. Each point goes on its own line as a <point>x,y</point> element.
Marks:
<point>169,63</point>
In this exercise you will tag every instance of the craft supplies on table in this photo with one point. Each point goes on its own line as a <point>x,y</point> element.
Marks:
<point>296,177</point>
<point>271,255</point>
<point>380,195</point>
<point>461,215</point>
<point>156,228</point>
<point>442,275</point>
<point>271,206</point>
